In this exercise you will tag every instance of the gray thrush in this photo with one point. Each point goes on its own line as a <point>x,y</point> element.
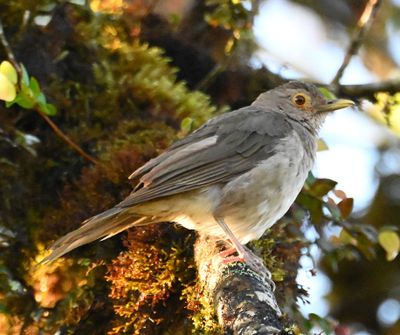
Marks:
<point>232,178</point>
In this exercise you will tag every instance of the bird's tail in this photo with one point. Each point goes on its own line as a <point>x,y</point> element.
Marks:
<point>101,226</point>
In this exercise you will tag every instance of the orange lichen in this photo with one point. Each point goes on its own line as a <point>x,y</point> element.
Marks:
<point>149,277</point>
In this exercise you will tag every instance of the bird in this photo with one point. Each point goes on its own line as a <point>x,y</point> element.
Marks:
<point>232,178</point>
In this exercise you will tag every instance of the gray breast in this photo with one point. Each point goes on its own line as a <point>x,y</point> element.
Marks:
<point>254,201</point>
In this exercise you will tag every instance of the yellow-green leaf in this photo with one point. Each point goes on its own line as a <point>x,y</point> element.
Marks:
<point>9,71</point>
<point>326,93</point>
<point>321,145</point>
<point>346,238</point>
<point>34,86</point>
<point>390,241</point>
<point>322,186</point>
<point>7,89</point>
<point>186,125</point>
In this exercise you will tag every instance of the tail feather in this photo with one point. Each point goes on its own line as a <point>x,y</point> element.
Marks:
<point>101,226</point>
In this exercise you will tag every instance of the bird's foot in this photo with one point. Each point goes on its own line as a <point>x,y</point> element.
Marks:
<point>227,257</point>
<point>253,261</point>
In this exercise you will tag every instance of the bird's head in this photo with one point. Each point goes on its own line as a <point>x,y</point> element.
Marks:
<point>301,102</point>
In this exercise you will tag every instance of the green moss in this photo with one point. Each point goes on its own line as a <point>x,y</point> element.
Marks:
<point>203,314</point>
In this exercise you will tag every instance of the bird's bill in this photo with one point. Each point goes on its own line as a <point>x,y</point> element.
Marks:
<point>333,105</point>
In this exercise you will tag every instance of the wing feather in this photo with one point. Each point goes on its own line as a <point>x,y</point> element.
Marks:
<point>224,148</point>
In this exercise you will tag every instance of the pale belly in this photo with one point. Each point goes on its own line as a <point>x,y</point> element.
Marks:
<point>255,201</point>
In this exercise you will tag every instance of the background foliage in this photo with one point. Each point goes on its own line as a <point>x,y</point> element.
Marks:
<point>123,80</point>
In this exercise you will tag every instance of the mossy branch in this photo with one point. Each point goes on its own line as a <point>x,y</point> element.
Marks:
<point>243,300</point>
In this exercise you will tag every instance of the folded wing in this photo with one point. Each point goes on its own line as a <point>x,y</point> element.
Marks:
<point>219,151</point>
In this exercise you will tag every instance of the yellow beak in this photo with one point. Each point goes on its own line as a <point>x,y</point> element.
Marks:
<point>335,104</point>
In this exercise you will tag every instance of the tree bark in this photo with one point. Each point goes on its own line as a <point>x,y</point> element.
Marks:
<point>243,299</point>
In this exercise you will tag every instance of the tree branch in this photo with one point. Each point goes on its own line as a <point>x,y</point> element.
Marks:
<point>369,90</point>
<point>243,300</point>
<point>363,24</point>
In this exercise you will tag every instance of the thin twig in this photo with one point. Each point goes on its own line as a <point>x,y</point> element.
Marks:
<point>363,24</point>
<point>8,51</point>
<point>52,125</point>
<point>66,139</point>
<point>210,77</point>
<point>216,70</point>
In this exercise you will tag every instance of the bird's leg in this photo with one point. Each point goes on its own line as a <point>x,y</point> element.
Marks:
<point>254,262</point>
<point>237,246</point>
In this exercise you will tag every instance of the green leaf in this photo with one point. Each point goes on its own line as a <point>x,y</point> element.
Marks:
<point>326,93</point>
<point>24,100</point>
<point>35,87</point>
<point>27,92</point>
<point>322,186</point>
<point>313,205</point>
<point>43,108</point>
<point>334,210</point>
<point>310,180</point>
<point>48,109</point>
<point>51,109</point>
<point>25,76</point>
<point>41,99</point>
<point>186,125</point>
<point>390,242</point>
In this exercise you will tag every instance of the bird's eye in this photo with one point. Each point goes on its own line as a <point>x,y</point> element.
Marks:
<point>299,99</point>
